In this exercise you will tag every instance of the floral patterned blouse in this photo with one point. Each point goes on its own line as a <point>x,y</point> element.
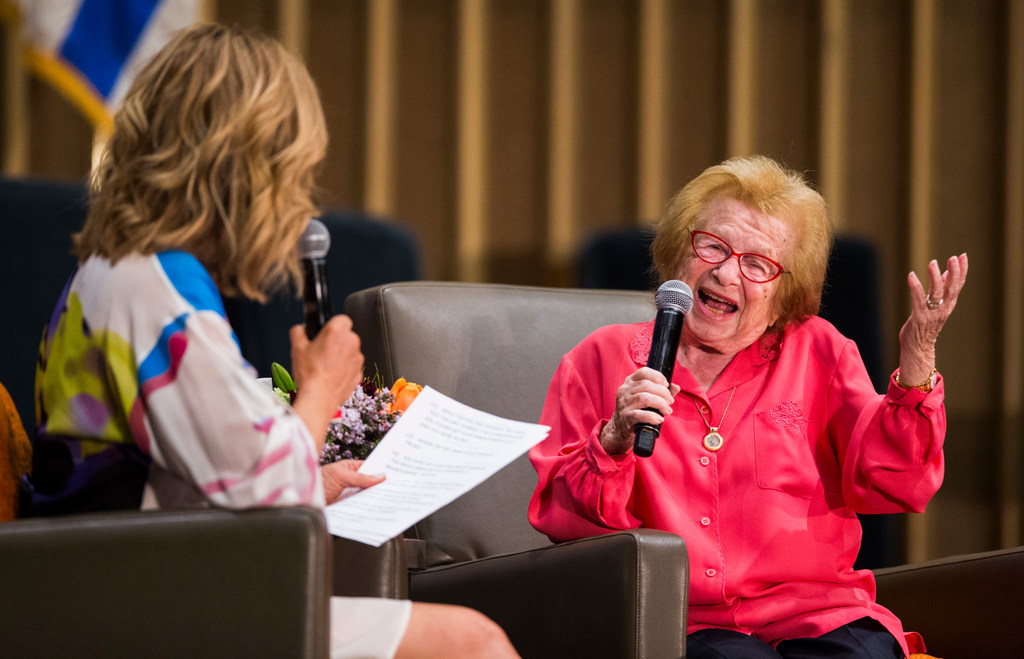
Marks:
<point>143,398</point>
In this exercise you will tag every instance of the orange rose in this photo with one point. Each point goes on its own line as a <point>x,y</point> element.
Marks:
<point>405,393</point>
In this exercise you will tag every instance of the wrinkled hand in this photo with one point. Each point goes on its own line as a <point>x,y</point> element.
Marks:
<point>645,388</point>
<point>326,370</point>
<point>920,332</point>
<point>344,474</point>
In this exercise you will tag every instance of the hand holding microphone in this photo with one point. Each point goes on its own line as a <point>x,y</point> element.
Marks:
<point>674,299</point>
<point>329,355</point>
<point>326,359</point>
<point>647,394</point>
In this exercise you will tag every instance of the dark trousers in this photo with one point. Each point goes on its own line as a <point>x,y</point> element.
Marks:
<point>861,639</point>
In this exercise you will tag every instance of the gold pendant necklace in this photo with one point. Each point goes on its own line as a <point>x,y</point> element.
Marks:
<point>713,441</point>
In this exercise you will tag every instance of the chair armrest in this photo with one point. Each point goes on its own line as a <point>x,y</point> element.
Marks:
<point>362,570</point>
<point>199,583</point>
<point>617,595</point>
<point>963,606</point>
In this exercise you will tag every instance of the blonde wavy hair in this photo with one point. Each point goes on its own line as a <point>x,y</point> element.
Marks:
<point>758,182</point>
<point>214,152</point>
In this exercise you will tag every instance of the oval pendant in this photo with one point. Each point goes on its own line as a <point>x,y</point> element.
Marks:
<point>712,440</point>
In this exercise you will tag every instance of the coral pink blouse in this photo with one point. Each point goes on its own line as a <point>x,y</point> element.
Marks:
<point>769,519</point>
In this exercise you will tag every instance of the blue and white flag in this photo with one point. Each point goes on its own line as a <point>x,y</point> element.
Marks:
<point>92,49</point>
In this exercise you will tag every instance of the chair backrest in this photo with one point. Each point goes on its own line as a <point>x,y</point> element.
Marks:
<point>37,219</point>
<point>365,251</point>
<point>852,302</point>
<point>493,347</point>
<point>617,258</point>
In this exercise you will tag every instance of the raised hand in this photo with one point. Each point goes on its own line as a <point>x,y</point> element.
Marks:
<point>929,312</point>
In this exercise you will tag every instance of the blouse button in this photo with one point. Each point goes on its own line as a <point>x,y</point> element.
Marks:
<point>704,409</point>
<point>705,460</point>
<point>704,521</point>
<point>710,572</point>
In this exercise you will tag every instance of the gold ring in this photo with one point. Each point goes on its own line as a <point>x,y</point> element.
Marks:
<point>932,304</point>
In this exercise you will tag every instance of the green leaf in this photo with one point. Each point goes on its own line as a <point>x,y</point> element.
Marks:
<point>282,378</point>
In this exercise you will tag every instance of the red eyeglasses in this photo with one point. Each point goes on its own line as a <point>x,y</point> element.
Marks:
<point>754,267</point>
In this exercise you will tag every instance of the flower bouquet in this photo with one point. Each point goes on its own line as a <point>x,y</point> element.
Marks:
<point>362,420</point>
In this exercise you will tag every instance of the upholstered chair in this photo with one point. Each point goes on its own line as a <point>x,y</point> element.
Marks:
<point>495,348</point>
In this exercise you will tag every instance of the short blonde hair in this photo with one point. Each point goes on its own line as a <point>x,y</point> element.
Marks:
<point>758,182</point>
<point>214,152</point>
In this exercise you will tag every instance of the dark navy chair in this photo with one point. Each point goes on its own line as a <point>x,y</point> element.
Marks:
<point>365,251</point>
<point>37,219</point>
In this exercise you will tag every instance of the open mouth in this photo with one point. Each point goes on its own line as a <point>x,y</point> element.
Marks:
<point>716,304</point>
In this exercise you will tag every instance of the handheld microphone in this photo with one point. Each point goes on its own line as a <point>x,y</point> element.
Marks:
<point>673,299</point>
<point>314,243</point>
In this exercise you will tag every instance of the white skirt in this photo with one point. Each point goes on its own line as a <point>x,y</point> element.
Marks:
<point>367,627</point>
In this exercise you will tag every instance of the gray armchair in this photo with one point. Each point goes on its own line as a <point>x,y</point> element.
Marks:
<point>206,583</point>
<point>495,348</point>
<point>963,606</point>
<point>198,583</point>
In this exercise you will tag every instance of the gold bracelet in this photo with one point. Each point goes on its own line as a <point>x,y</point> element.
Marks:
<point>925,386</point>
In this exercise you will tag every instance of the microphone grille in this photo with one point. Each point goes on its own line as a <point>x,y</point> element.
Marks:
<point>315,241</point>
<point>674,294</point>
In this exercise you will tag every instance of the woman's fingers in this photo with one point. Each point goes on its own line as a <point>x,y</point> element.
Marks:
<point>953,278</point>
<point>332,361</point>
<point>645,396</point>
<point>929,312</point>
<point>948,284</point>
<point>943,288</point>
<point>338,476</point>
<point>647,388</point>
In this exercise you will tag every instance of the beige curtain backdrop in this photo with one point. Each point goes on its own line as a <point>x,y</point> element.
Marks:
<point>506,131</point>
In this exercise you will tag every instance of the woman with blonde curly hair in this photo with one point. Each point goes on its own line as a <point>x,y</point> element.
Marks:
<point>772,437</point>
<point>143,396</point>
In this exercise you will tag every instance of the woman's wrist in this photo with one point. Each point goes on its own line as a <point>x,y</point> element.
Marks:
<point>316,417</point>
<point>925,385</point>
<point>917,366</point>
<point>610,440</point>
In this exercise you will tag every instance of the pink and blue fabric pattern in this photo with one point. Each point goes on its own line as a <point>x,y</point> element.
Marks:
<point>140,378</point>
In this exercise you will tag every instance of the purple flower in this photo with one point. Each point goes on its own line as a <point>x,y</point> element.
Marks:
<point>361,422</point>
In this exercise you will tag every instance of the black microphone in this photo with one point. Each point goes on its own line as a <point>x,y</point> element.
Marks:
<point>673,299</point>
<point>314,243</point>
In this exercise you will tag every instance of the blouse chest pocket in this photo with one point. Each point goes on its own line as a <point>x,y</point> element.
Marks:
<point>785,454</point>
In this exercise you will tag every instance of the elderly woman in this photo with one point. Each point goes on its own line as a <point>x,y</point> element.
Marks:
<point>144,398</point>
<point>772,437</point>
